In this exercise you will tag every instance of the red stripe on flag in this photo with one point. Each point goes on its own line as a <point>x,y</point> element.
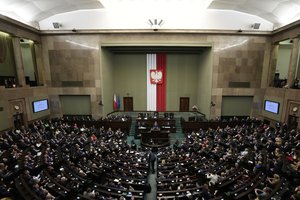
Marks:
<point>115,102</point>
<point>161,88</point>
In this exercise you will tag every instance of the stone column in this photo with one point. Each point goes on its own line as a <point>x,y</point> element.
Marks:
<point>39,64</point>
<point>293,62</point>
<point>19,61</point>
<point>265,82</point>
<point>273,62</point>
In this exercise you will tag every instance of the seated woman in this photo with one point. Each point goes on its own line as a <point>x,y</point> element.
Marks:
<point>274,180</point>
<point>296,193</point>
<point>262,193</point>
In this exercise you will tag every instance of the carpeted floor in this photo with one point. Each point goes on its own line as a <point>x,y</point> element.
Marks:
<point>173,137</point>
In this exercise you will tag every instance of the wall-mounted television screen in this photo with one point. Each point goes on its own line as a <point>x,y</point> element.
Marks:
<point>40,105</point>
<point>272,106</point>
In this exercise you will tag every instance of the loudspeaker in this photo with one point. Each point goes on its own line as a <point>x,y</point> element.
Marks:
<point>56,25</point>
<point>256,25</point>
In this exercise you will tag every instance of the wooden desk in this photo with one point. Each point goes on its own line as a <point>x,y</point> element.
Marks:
<point>189,126</point>
<point>155,137</point>
<point>165,124</point>
<point>114,125</point>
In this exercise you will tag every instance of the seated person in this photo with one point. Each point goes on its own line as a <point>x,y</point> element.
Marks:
<point>171,115</point>
<point>146,116</point>
<point>166,115</point>
<point>296,193</point>
<point>167,125</point>
<point>155,126</point>
<point>205,193</point>
<point>262,193</point>
<point>140,116</point>
<point>141,125</point>
<point>195,108</point>
<point>274,180</point>
<point>296,84</point>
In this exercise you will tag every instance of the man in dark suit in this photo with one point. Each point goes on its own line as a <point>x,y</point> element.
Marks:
<point>152,159</point>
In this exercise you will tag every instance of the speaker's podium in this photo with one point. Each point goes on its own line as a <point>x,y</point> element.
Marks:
<point>155,137</point>
<point>154,130</point>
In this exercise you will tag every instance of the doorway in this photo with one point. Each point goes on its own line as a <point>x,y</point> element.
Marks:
<point>18,111</point>
<point>293,122</point>
<point>18,120</point>
<point>128,103</point>
<point>184,104</point>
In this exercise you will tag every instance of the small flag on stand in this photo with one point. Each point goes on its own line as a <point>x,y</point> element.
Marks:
<point>118,102</point>
<point>115,102</point>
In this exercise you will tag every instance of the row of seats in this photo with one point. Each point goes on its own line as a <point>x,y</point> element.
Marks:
<point>68,162</point>
<point>245,161</point>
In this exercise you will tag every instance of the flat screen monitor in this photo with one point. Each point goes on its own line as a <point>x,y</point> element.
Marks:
<point>40,105</point>
<point>272,106</point>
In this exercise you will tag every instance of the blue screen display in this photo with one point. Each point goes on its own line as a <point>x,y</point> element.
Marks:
<point>272,106</point>
<point>41,105</point>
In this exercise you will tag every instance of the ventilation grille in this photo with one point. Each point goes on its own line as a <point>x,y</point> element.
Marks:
<point>71,83</point>
<point>239,84</point>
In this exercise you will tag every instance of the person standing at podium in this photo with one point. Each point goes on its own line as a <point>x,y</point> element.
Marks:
<point>155,126</point>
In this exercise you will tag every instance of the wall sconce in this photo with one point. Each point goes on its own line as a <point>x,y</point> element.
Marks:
<point>155,23</point>
<point>255,25</point>
<point>212,104</point>
<point>56,25</point>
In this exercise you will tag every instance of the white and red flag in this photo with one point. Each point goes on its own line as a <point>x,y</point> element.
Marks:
<point>156,82</point>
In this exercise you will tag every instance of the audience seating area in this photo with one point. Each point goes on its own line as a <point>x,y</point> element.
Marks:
<point>56,160</point>
<point>60,159</point>
<point>248,160</point>
<point>8,81</point>
<point>191,125</point>
<point>114,122</point>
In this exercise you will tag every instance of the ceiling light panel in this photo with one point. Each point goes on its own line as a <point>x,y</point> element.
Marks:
<point>151,4</point>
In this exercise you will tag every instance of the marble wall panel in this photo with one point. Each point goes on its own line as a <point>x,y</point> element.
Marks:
<point>72,65</point>
<point>237,58</point>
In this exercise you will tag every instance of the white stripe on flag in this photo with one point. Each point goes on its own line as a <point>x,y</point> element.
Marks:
<point>151,88</point>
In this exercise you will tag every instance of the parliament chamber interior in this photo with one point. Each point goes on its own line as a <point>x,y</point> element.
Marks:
<point>150,100</point>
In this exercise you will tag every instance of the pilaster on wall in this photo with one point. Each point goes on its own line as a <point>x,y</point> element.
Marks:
<point>266,64</point>
<point>273,62</point>
<point>258,103</point>
<point>293,62</point>
<point>216,99</point>
<point>293,114</point>
<point>96,106</point>
<point>18,61</point>
<point>55,106</point>
<point>39,64</point>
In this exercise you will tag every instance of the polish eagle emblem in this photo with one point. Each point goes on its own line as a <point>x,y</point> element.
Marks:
<point>156,76</point>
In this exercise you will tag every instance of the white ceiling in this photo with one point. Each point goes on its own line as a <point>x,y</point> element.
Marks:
<point>40,13</point>
<point>36,10</point>
<point>276,11</point>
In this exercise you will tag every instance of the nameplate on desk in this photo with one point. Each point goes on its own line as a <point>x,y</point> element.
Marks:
<point>142,127</point>
<point>155,129</point>
<point>166,126</point>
